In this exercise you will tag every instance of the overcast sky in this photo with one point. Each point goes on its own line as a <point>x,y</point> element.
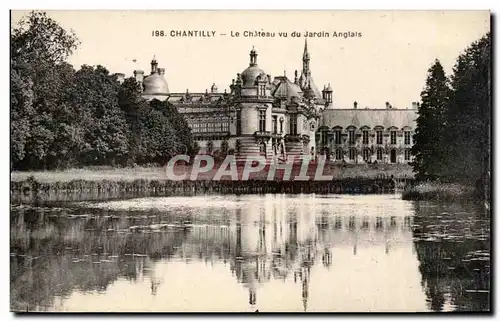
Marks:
<point>388,62</point>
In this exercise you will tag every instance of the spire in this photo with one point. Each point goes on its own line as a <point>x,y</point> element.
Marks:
<point>305,60</point>
<point>306,52</point>
<point>253,57</point>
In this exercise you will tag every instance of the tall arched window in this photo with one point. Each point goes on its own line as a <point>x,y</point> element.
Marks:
<point>366,155</point>
<point>339,154</point>
<point>352,154</point>
<point>379,154</point>
<point>407,155</point>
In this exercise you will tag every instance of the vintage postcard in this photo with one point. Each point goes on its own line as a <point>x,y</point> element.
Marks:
<point>250,161</point>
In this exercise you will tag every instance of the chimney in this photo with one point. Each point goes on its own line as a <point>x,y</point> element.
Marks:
<point>414,105</point>
<point>139,75</point>
<point>120,77</point>
<point>388,105</point>
<point>355,105</point>
<point>161,71</point>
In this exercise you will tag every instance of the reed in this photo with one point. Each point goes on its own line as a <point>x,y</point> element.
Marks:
<point>108,189</point>
<point>438,191</point>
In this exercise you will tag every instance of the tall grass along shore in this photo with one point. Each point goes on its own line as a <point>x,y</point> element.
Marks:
<point>439,192</point>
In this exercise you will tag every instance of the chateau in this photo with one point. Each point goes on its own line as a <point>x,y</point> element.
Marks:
<point>278,118</point>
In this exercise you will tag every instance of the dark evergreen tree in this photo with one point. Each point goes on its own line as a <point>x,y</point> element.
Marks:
<point>469,114</point>
<point>429,142</point>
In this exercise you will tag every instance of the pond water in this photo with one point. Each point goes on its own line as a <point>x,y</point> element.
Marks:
<point>285,253</point>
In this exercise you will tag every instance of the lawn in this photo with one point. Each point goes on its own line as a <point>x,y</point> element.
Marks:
<point>159,173</point>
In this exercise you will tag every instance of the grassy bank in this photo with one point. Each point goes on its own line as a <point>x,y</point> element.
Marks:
<point>439,192</point>
<point>364,171</point>
<point>104,183</point>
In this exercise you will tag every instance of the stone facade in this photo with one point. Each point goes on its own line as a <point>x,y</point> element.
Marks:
<point>367,135</point>
<point>278,118</point>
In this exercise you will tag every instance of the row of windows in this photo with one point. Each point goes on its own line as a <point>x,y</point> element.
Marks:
<point>366,134</point>
<point>352,153</point>
<point>223,147</point>
<point>210,127</point>
<point>274,124</point>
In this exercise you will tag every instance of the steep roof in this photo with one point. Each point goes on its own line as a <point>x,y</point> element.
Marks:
<point>371,118</point>
<point>285,88</point>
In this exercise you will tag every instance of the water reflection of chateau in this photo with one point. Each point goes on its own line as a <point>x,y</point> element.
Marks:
<point>275,241</point>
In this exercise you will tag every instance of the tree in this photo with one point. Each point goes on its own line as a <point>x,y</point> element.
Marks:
<point>38,38</point>
<point>22,112</point>
<point>160,140</point>
<point>469,114</point>
<point>62,117</point>
<point>136,111</point>
<point>429,147</point>
<point>103,127</point>
<point>184,140</point>
<point>39,47</point>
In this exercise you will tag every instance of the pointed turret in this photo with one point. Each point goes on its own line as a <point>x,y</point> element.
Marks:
<point>327,94</point>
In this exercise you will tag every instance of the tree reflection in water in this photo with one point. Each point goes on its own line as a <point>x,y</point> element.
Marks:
<point>453,247</point>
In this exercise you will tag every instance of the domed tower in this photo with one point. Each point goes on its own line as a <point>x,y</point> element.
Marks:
<point>155,85</point>
<point>252,125</point>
